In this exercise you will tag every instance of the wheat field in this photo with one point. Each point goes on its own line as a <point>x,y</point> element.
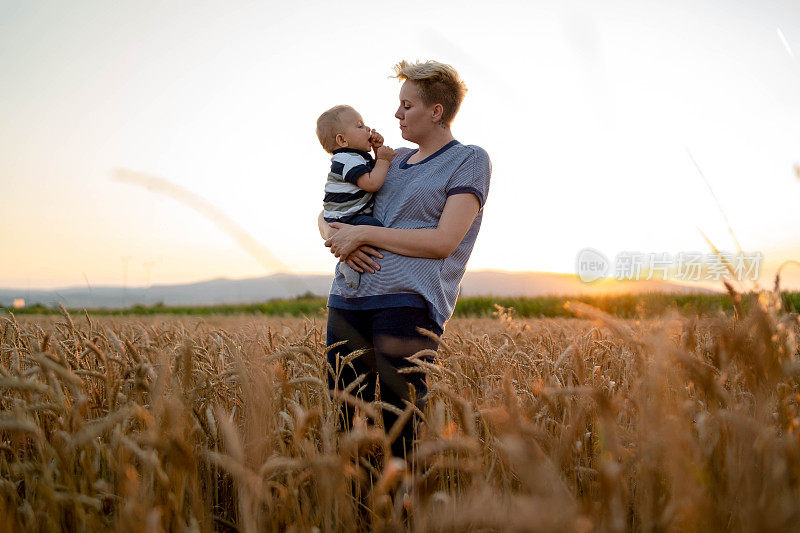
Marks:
<point>225,423</point>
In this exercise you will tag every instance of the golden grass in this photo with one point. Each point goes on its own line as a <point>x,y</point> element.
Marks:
<point>555,424</point>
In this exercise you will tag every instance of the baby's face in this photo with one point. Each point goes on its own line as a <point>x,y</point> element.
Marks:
<point>355,132</point>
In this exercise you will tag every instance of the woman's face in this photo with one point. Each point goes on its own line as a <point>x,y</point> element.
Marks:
<point>416,119</point>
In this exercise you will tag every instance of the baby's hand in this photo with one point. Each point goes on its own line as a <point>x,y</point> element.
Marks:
<point>376,140</point>
<point>384,152</point>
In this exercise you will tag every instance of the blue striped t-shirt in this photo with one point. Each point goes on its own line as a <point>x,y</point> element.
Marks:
<point>413,197</point>
<point>343,197</point>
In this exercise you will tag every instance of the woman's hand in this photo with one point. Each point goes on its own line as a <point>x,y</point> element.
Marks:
<point>361,261</point>
<point>345,243</point>
<point>345,240</point>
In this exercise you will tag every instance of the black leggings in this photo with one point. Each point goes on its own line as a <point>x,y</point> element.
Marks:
<point>390,336</point>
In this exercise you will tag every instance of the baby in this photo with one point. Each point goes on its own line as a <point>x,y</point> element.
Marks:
<point>354,174</point>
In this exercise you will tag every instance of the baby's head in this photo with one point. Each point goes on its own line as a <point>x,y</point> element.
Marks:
<point>342,127</point>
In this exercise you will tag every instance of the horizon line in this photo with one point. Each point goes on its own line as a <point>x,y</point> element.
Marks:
<point>202,280</point>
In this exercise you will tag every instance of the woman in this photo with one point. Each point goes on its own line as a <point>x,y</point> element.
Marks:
<point>431,204</point>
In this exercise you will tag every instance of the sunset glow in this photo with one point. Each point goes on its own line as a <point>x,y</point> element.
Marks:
<point>587,111</point>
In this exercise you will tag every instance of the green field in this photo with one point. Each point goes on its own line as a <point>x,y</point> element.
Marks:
<point>624,306</point>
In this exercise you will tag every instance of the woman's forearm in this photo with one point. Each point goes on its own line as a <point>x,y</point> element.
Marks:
<point>429,242</point>
<point>435,243</point>
<point>324,227</point>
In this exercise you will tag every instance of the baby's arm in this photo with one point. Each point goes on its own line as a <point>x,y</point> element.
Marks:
<point>373,180</point>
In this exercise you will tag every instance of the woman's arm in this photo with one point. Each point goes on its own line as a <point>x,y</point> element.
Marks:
<point>324,227</point>
<point>436,243</point>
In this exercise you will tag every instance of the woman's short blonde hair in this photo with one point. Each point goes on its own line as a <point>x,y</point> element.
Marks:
<point>329,125</point>
<point>438,84</point>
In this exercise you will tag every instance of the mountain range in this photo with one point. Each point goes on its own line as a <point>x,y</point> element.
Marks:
<point>282,285</point>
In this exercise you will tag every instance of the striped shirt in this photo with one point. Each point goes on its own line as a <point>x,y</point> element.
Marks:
<point>342,195</point>
<point>413,196</point>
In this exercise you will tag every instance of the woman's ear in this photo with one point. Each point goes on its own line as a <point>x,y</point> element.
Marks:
<point>341,141</point>
<point>438,111</point>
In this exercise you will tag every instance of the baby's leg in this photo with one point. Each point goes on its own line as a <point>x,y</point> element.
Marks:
<point>365,220</point>
<point>351,277</point>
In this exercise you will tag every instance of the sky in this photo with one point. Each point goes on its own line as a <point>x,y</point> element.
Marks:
<point>591,112</point>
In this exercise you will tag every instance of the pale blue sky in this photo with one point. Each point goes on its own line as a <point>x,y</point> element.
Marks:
<point>586,109</point>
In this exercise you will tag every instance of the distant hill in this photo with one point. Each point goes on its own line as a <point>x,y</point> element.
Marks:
<point>494,283</point>
<point>251,290</point>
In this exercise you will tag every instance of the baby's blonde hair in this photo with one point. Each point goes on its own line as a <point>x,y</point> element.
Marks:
<point>438,84</point>
<point>329,125</point>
